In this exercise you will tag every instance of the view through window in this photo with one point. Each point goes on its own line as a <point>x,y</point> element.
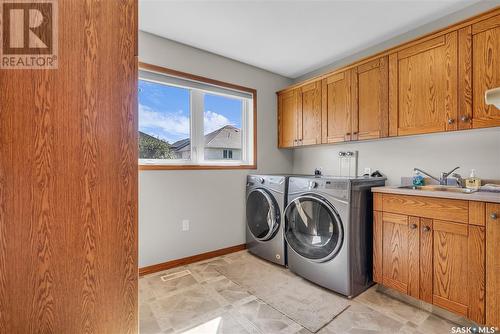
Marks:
<point>193,123</point>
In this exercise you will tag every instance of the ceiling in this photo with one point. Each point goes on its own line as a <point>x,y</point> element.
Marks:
<point>290,38</point>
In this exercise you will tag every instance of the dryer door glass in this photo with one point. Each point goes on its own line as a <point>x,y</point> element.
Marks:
<point>262,214</point>
<point>313,228</point>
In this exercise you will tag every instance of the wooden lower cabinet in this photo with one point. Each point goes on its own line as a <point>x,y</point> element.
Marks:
<point>440,262</point>
<point>493,264</point>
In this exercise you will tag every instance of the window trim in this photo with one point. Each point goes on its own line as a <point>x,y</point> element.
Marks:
<point>188,76</point>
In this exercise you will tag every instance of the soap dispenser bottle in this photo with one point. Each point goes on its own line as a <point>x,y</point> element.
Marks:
<point>417,180</point>
<point>473,182</point>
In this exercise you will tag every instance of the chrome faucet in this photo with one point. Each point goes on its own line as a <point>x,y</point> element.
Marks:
<point>460,180</point>
<point>444,176</point>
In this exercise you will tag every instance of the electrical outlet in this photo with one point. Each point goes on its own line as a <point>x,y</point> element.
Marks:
<point>367,170</point>
<point>185,225</point>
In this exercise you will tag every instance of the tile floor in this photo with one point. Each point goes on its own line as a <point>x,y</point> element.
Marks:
<point>197,299</point>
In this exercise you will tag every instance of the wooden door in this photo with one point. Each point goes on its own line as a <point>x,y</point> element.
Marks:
<point>370,94</point>
<point>288,118</point>
<point>395,251</point>
<point>423,84</point>
<point>426,260</point>
<point>493,264</point>
<point>486,70</point>
<point>309,117</point>
<point>378,236</point>
<point>459,271</point>
<point>336,106</point>
<point>68,179</point>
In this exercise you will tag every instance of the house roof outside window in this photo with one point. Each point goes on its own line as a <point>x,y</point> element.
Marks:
<point>227,137</point>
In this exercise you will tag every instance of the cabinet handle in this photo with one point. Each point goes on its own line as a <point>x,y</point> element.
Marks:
<point>427,228</point>
<point>451,121</point>
<point>465,118</point>
<point>413,226</point>
<point>494,216</point>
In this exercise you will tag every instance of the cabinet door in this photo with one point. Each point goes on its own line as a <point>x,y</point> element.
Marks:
<point>309,126</point>
<point>395,251</point>
<point>336,108</point>
<point>486,70</point>
<point>450,288</point>
<point>370,93</point>
<point>423,83</point>
<point>377,246</point>
<point>288,118</point>
<point>493,264</point>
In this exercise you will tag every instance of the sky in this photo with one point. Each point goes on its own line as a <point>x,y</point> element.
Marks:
<point>164,111</point>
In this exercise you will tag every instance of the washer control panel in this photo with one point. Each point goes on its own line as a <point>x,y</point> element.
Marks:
<point>338,188</point>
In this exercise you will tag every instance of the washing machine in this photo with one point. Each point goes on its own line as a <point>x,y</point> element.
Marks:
<point>265,202</point>
<point>328,231</point>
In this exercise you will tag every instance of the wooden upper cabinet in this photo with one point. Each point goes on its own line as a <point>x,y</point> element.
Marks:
<point>486,70</point>
<point>424,86</point>
<point>288,118</point>
<point>336,108</point>
<point>370,93</point>
<point>309,118</point>
<point>433,84</point>
<point>299,113</point>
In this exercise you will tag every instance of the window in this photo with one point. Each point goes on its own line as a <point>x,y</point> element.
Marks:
<point>193,122</point>
<point>227,154</point>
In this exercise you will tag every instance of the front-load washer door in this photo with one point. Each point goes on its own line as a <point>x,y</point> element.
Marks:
<point>313,228</point>
<point>263,214</point>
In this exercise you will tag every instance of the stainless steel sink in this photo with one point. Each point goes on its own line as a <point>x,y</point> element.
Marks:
<point>436,187</point>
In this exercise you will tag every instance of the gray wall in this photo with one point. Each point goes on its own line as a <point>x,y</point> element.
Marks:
<point>396,157</point>
<point>213,201</point>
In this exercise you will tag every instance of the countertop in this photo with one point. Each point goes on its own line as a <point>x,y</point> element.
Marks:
<point>479,196</point>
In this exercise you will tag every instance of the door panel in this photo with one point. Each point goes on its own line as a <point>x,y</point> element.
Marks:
<point>309,126</point>
<point>377,246</point>
<point>476,254</point>
<point>312,228</point>
<point>492,264</point>
<point>370,100</point>
<point>68,179</point>
<point>336,108</point>
<point>288,118</point>
<point>414,257</point>
<point>465,78</point>
<point>450,288</point>
<point>486,73</point>
<point>426,259</point>
<point>262,214</point>
<point>395,251</point>
<point>427,86</point>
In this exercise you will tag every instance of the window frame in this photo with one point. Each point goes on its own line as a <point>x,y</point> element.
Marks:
<point>208,165</point>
